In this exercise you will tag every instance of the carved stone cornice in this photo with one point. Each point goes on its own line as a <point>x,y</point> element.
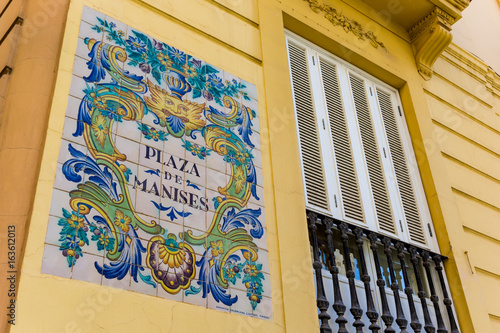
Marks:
<point>429,37</point>
<point>459,4</point>
<point>336,18</point>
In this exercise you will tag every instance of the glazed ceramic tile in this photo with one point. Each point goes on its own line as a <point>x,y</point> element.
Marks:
<point>195,175</point>
<point>145,205</point>
<point>196,195</point>
<point>144,287</point>
<point>261,242</point>
<point>78,87</point>
<point>121,280</point>
<point>58,202</point>
<point>100,238</point>
<point>255,137</point>
<point>247,277</point>
<point>265,309</point>
<point>159,187</point>
<point>258,208</point>
<point>252,104</point>
<point>86,268</point>
<point>173,231</point>
<point>148,179</point>
<point>61,183</point>
<point>195,217</point>
<point>231,80</point>
<point>196,96</point>
<point>72,108</point>
<point>173,171</point>
<point>130,192</point>
<point>259,177</point>
<point>258,199</point>
<point>129,130</point>
<point>52,237</point>
<point>150,156</point>
<point>67,148</point>
<point>130,173</point>
<point>113,30</point>
<point>199,246</point>
<point>160,292</point>
<point>173,148</point>
<point>88,31</point>
<point>70,127</point>
<point>138,249</point>
<point>241,307</point>
<point>250,90</point>
<point>90,15</point>
<point>196,77</point>
<point>266,285</point>
<point>257,160</point>
<point>197,294</point>
<point>220,302</point>
<point>57,261</point>
<point>171,210</point>
<point>80,67</point>
<point>215,179</point>
<point>152,136</point>
<point>214,87</point>
<point>216,162</point>
<point>152,122</point>
<point>214,199</point>
<point>196,153</point>
<point>82,50</point>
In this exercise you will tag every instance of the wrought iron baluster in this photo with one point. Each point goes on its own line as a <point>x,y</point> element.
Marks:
<point>400,320</point>
<point>321,300</point>
<point>428,327</point>
<point>434,298</point>
<point>338,304</point>
<point>371,313</point>
<point>446,300</point>
<point>356,310</point>
<point>415,324</point>
<point>386,312</point>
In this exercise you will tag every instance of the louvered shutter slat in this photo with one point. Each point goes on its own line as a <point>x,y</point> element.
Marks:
<point>308,133</point>
<point>344,161</point>
<point>371,151</point>
<point>406,191</point>
<point>362,157</point>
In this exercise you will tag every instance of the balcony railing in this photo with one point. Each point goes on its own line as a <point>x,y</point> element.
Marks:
<point>347,255</point>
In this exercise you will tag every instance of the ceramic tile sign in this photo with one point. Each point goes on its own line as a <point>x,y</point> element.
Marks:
<point>159,181</point>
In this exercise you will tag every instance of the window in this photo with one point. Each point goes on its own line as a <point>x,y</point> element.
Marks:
<point>357,161</point>
<point>369,224</point>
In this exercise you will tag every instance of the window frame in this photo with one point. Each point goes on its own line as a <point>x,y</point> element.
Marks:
<point>326,148</point>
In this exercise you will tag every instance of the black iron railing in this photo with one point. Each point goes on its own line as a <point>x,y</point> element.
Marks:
<point>329,237</point>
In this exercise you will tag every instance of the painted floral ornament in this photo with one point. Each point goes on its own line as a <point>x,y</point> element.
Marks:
<point>172,263</point>
<point>151,122</point>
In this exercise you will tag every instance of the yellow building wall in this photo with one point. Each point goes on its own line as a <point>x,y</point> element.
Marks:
<point>451,118</point>
<point>51,304</point>
<point>464,99</point>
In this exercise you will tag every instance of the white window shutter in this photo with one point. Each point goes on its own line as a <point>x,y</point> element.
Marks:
<point>312,164</point>
<point>347,176</point>
<point>357,160</point>
<point>372,156</point>
<point>401,170</point>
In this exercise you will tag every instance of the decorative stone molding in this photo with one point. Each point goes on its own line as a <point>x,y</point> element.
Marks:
<point>336,18</point>
<point>429,37</point>
<point>493,81</point>
<point>459,4</point>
